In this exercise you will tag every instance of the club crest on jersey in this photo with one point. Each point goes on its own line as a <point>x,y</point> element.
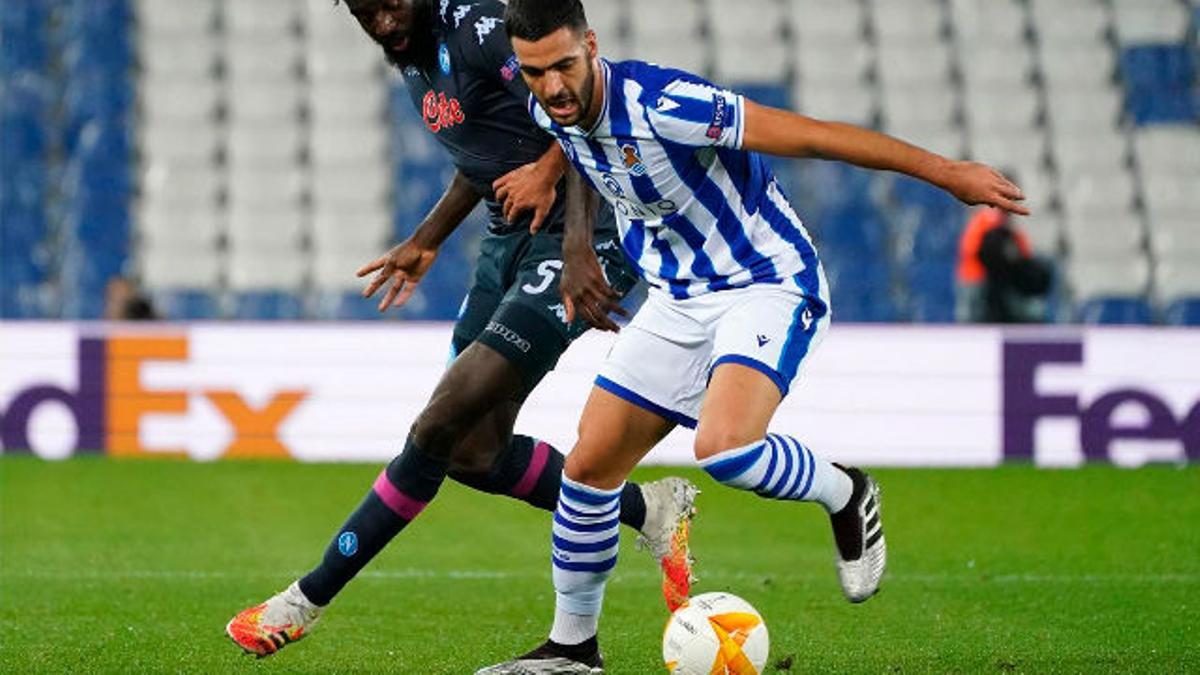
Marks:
<point>347,543</point>
<point>720,112</point>
<point>511,67</point>
<point>444,58</point>
<point>441,112</point>
<point>632,160</point>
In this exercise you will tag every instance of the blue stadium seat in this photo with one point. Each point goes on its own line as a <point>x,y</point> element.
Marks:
<point>185,305</point>
<point>931,290</point>
<point>1157,66</point>
<point>350,306</point>
<point>268,306</point>
<point>1184,312</point>
<point>23,227</point>
<point>1116,311</point>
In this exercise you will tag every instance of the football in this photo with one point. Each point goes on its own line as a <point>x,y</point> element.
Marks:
<point>716,633</point>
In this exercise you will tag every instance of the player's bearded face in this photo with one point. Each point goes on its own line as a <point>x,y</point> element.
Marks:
<point>401,27</point>
<point>560,71</point>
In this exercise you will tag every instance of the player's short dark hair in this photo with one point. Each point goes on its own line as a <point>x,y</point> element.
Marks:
<point>532,20</point>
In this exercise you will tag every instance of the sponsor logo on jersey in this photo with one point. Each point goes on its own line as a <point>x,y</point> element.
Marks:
<point>632,160</point>
<point>441,112</point>
<point>485,26</point>
<point>508,335</point>
<point>444,58</point>
<point>613,186</point>
<point>511,67</point>
<point>461,13</point>
<point>720,112</point>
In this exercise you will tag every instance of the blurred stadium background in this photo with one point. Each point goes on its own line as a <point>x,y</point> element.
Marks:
<point>241,159</point>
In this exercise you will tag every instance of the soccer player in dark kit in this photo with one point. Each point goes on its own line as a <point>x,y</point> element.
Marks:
<point>464,79</point>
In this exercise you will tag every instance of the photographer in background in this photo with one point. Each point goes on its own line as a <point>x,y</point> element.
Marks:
<point>999,278</point>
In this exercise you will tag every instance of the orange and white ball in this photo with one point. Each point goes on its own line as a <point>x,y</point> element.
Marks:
<point>716,634</point>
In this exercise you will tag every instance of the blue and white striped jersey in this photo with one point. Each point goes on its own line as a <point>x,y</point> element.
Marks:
<point>696,213</point>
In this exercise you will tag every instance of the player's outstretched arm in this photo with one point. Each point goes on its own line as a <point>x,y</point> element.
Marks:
<point>409,260</point>
<point>583,287</point>
<point>532,187</point>
<point>780,132</point>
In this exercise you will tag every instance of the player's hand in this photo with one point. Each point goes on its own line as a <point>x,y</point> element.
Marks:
<point>527,188</point>
<point>976,183</point>
<point>404,266</point>
<point>585,291</point>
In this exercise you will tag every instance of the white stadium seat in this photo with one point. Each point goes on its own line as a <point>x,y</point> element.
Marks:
<point>179,266</point>
<point>362,232</point>
<point>1176,240</point>
<point>260,226</point>
<point>827,20</point>
<point>269,268</point>
<point>266,18</point>
<point>847,103</point>
<point>944,140</point>
<point>990,64</point>
<point>1168,148</point>
<point>1075,154</point>
<point>1105,236</point>
<point>926,105</point>
<point>759,62</point>
<point>264,144</point>
<point>252,186</point>
<point>350,62</point>
<point>352,186</point>
<point>156,17</point>
<point>252,58</point>
<point>1002,108</point>
<point>187,56</point>
<point>1171,196</point>
<point>1123,276</point>
<point>179,141</point>
<point>902,64</point>
<point>1074,65</point>
<point>1092,194</point>
<point>985,23</point>
<point>1084,109</point>
<point>667,19</point>
<point>1009,149</point>
<point>1175,279</point>
<point>340,145</point>
<point>607,18</point>
<point>1150,21</point>
<point>685,53</point>
<point>840,63</point>
<point>1069,21</point>
<point>183,186</point>
<point>171,98</point>
<point>912,21</point>
<point>199,227</point>
<point>264,100</point>
<point>346,101</point>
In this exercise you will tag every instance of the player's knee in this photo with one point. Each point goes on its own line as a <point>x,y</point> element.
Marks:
<point>440,428</point>
<point>584,467</point>
<point>713,441</point>
<point>475,454</point>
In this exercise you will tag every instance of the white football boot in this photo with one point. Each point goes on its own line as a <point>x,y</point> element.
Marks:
<point>858,534</point>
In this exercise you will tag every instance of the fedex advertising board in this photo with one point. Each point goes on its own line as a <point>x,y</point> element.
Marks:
<point>874,395</point>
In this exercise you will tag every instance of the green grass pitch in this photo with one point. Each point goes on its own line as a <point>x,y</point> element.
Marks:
<point>125,566</point>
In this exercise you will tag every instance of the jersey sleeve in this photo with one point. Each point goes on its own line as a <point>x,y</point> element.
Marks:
<point>698,115</point>
<point>486,47</point>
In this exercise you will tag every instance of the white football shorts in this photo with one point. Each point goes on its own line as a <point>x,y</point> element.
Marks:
<point>663,359</point>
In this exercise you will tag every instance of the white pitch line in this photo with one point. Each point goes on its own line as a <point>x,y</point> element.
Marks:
<point>711,576</point>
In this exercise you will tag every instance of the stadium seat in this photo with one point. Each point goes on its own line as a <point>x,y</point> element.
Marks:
<point>1079,110</point>
<point>827,21</point>
<point>908,21</point>
<point>172,227</point>
<point>984,24</point>
<point>258,226</point>
<point>1097,152</point>
<point>1116,312</point>
<point>165,97</point>
<point>1105,236</point>
<point>251,57</point>
<point>1171,196</point>
<point>992,108</point>
<point>1142,21</point>
<point>346,101</point>
<point>991,64</point>
<point>175,141</point>
<point>264,18</point>
<point>1176,280</point>
<point>1168,149</point>
<point>946,140</point>
<point>684,53</point>
<point>1175,239</point>
<point>277,186</point>
<point>903,64</point>
<point>931,105</point>
<point>186,56</point>
<point>764,61</point>
<point>356,60</point>
<point>267,100</point>
<point>272,267</point>
<point>177,304</point>
<point>1022,151</point>
<point>168,186</point>
<point>169,267</point>
<point>1151,66</point>
<point>1076,65</point>
<point>1183,312</point>
<point>853,104</point>
<point>159,18</point>
<point>336,145</point>
<point>255,144</point>
<point>1061,22</point>
<point>354,187</point>
<point>842,64</point>
<point>1092,278</point>
<point>1089,195</point>
<point>267,306</point>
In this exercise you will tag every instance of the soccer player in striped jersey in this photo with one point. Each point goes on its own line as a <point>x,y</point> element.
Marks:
<point>738,299</point>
